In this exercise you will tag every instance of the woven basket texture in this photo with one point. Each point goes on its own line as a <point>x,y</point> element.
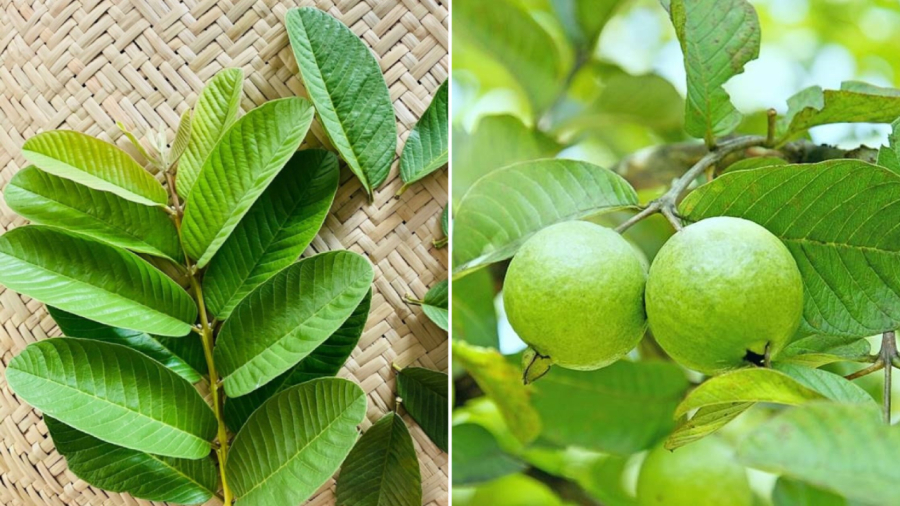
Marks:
<point>85,64</point>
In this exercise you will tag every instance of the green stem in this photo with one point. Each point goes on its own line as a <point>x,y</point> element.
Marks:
<point>440,243</point>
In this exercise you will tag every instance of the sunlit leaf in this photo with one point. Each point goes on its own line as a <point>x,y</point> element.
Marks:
<point>837,219</point>
<point>115,394</point>
<point>502,382</point>
<point>845,449</point>
<point>93,163</point>
<point>274,232</point>
<point>428,145</point>
<point>423,393</point>
<point>51,200</point>
<point>718,37</point>
<point>239,168</point>
<point>288,317</point>
<point>818,350</point>
<point>142,475</point>
<point>851,104</point>
<point>94,280</point>
<point>503,209</point>
<point>346,84</point>
<point>704,422</point>
<point>216,109</point>
<point>382,469</point>
<point>294,442</point>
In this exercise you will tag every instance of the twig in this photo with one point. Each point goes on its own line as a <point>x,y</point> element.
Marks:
<point>877,366</point>
<point>771,114</point>
<point>887,354</point>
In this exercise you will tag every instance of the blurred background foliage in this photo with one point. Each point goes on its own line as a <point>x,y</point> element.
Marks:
<point>603,81</point>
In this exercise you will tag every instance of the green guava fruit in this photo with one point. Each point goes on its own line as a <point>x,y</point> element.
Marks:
<point>702,473</point>
<point>574,293</point>
<point>722,293</point>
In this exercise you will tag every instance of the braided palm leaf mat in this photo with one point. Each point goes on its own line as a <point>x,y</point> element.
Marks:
<point>84,64</point>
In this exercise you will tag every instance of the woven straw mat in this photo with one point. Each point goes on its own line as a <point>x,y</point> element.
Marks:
<point>83,65</point>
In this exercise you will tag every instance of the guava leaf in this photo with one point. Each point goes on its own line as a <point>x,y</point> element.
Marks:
<point>95,164</point>
<point>474,317</point>
<point>704,422</point>
<point>428,146</point>
<point>718,37</point>
<point>845,449</point>
<point>506,207</point>
<point>754,163</point>
<point>154,347</point>
<point>51,200</point>
<point>288,317</point>
<point>837,219</point>
<point>790,492</point>
<point>523,46</point>
<point>495,142</point>
<point>829,384</point>
<point>345,82</point>
<point>182,137</point>
<point>91,279</point>
<point>478,458</point>
<point>584,19</point>
<point>819,350</point>
<point>621,409</point>
<point>382,469</point>
<point>274,232</point>
<point>238,169</point>
<point>424,393</point>
<point>853,103</point>
<point>326,360</point>
<point>145,476</point>
<point>294,442</point>
<point>502,382</point>
<point>889,156</point>
<point>445,221</point>
<point>435,303</point>
<point>216,109</point>
<point>658,105</point>
<point>115,394</point>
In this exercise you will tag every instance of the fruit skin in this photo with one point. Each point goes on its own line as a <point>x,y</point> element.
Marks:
<point>574,292</point>
<point>722,287</point>
<point>703,473</point>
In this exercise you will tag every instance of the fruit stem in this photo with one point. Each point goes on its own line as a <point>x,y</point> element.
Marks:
<point>888,355</point>
<point>667,204</point>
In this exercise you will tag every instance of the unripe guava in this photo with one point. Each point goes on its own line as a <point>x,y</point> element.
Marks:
<point>722,293</point>
<point>574,293</point>
<point>702,473</point>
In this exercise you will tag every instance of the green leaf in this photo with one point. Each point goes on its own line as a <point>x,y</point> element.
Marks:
<point>748,385</point>
<point>182,138</point>
<point>116,394</point>
<point>140,474</point>
<point>621,409</point>
<point>755,163</point>
<point>584,19</point>
<point>478,458</point>
<point>829,384</point>
<point>497,141</point>
<point>889,156</point>
<point>502,382</point>
<point>216,109</point>
<point>818,350</point>
<point>294,442</point>
<point>274,232</point>
<point>75,326</point>
<point>51,200</point>
<point>851,104</point>
<point>845,449</point>
<point>345,82</point>
<point>288,317</point>
<point>434,305</point>
<point>326,360</point>
<point>382,469</point>
<point>506,207</point>
<point>428,146</point>
<point>790,492</point>
<point>94,280</point>
<point>239,168</point>
<point>837,219</point>
<point>522,46</point>
<point>424,395</point>
<point>718,37</point>
<point>445,221</point>
<point>474,317</point>
<point>658,106</point>
<point>93,163</point>
<point>704,422</point>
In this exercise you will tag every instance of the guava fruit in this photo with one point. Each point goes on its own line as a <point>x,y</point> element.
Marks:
<point>574,293</point>
<point>702,473</point>
<point>723,293</point>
